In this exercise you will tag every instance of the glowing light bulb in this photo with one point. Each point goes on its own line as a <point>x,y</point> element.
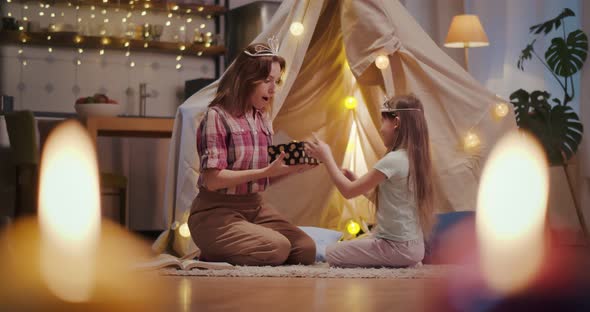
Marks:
<point>174,8</point>
<point>182,47</point>
<point>200,9</point>
<point>50,49</point>
<point>350,102</point>
<point>501,109</point>
<point>80,50</point>
<point>200,53</point>
<point>353,227</point>
<point>167,23</point>
<point>202,26</point>
<point>145,45</point>
<point>126,44</point>
<point>184,230</point>
<point>178,58</point>
<point>296,29</point>
<point>78,39</point>
<point>471,141</point>
<point>127,53</point>
<point>178,66</point>
<point>143,13</point>
<point>169,15</point>
<point>132,64</point>
<point>188,20</point>
<point>101,52</point>
<point>382,61</point>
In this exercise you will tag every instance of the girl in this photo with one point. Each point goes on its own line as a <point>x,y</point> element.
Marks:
<point>229,221</point>
<point>404,200</point>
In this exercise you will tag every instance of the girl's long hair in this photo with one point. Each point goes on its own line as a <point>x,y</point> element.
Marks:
<point>238,83</point>
<point>412,135</point>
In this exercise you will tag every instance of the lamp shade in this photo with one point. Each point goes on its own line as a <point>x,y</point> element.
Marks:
<point>466,32</point>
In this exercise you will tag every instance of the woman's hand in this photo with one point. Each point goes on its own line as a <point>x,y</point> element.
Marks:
<point>318,149</point>
<point>278,167</point>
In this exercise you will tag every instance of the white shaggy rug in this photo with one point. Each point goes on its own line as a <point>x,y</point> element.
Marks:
<point>320,270</point>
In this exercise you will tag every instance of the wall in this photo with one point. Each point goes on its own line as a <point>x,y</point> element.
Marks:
<point>52,82</point>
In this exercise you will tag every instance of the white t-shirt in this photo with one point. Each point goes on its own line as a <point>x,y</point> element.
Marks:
<point>397,214</point>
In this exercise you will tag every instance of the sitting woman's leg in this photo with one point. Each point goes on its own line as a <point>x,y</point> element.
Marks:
<point>375,252</point>
<point>302,246</point>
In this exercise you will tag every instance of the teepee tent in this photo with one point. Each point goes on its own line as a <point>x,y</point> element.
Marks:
<point>334,59</point>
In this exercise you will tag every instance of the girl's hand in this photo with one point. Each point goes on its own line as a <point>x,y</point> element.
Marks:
<point>318,149</point>
<point>349,174</point>
<point>278,167</point>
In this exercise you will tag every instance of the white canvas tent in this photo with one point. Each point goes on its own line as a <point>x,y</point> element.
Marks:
<point>332,59</point>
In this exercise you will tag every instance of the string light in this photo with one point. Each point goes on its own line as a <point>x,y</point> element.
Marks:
<point>25,18</point>
<point>105,41</point>
<point>48,37</point>
<point>202,26</point>
<point>382,61</point>
<point>188,11</point>
<point>127,53</point>
<point>178,58</point>
<point>126,44</point>
<point>170,15</point>
<point>80,50</point>
<point>296,29</point>
<point>350,102</point>
<point>174,8</point>
<point>77,39</point>
<point>184,230</point>
<point>101,52</point>
<point>501,109</point>
<point>20,51</point>
<point>471,141</point>
<point>353,227</point>
<point>132,64</point>
<point>52,14</point>
<point>145,45</point>
<point>9,14</point>
<point>143,13</point>
<point>92,8</point>
<point>201,9</point>
<point>106,20</point>
<point>182,47</point>
<point>49,49</point>
<point>24,62</point>
<point>41,13</point>
<point>167,23</point>
<point>103,11</point>
<point>92,16</point>
<point>199,53</point>
<point>78,62</point>
<point>188,20</point>
<point>178,66</point>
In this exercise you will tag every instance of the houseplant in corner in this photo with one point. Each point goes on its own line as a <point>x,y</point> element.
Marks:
<point>550,118</point>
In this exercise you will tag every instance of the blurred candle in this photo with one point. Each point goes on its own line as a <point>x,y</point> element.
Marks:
<point>511,208</point>
<point>69,213</point>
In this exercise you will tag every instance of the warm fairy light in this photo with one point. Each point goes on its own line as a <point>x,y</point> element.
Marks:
<point>26,7</point>
<point>208,44</point>
<point>80,50</point>
<point>353,227</point>
<point>182,28</point>
<point>127,53</point>
<point>382,61</point>
<point>182,47</point>
<point>92,16</point>
<point>147,5</point>
<point>21,28</point>
<point>52,14</point>
<point>105,41</point>
<point>78,39</point>
<point>103,32</point>
<point>25,18</point>
<point>208,34</point>
<point>69,212</point>
<point>169,15</point>
<point>184,230</point>
<point>101,52</point>
<point>296,29</point>
<point>24,40</point>
<point>189,20</point>
<point>124,20</point>
<point>9,14</point>
<point>501,109</point>
<point>78,62</point>
<point>200,9</point>
<point>129,14</point>
<point>209,17</point>
<point>104,12</point>
<point>178,58</point>
<point>200,53</point>
<point>350,102</point>
<point>92,8</point>
<point>24,63</point>
<point>146,45</point>
<point>105,1</point>
<point>167,23</point>
<point>132,64</point>
<point>174,8</point>
<point>41,13</point>
<point>178,66</point>
<point>126,44</point>
<point>20,51</point>
<point>106,20</point>
<point>510,218</point>
<point>143,13</point>
<point>79,19</point>
<point>50,49</point>
<point>188,11</point>
<point>49,37</point>
<point>471,141</point>
<point>47,6</point>
<point>202,26</point>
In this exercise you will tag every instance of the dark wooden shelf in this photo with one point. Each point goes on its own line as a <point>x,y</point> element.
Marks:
<point>177,8</point>
<point>111,43</point>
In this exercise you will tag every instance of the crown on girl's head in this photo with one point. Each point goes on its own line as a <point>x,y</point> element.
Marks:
<point>261,50</point>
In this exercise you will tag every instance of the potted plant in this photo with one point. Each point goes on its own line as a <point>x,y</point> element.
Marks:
<point>556,125</point>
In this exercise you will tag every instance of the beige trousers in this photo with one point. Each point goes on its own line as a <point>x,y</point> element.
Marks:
<point>242,230</point>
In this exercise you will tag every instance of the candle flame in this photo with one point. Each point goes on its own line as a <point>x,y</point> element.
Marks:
<point>511,207</point>
<point>69,212</point>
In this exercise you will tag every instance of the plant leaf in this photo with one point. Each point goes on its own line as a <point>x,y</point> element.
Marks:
<point>566,58</point>
<point>558,128</point>
<point>549,25</point>
<point>526,54</point>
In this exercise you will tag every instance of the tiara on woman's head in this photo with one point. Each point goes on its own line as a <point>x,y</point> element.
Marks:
<point>392,110</point>
<point>261,50</point>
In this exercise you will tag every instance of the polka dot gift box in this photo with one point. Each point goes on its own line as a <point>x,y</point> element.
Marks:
<point>294,153</point>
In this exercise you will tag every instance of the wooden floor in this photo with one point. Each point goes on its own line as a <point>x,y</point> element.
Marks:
<point>300,294</point>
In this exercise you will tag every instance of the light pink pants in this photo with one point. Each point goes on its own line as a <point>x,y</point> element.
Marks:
<point>375,252</point>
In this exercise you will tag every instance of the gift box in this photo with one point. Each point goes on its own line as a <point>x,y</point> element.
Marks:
<point>294,153</point>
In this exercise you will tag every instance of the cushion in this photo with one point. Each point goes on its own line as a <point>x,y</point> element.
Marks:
<point>442,239</point>
<point>322,238</point>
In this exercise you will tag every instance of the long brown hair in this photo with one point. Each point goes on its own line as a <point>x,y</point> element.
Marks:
<point>412,135</point>
<point>241,78</point>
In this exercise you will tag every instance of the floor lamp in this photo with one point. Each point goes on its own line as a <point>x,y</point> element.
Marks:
<point>466,32</point>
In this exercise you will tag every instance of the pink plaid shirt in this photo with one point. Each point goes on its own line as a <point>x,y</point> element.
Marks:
<point>234,143</point>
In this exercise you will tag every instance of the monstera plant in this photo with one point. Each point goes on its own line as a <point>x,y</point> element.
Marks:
<point>550,118</point>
